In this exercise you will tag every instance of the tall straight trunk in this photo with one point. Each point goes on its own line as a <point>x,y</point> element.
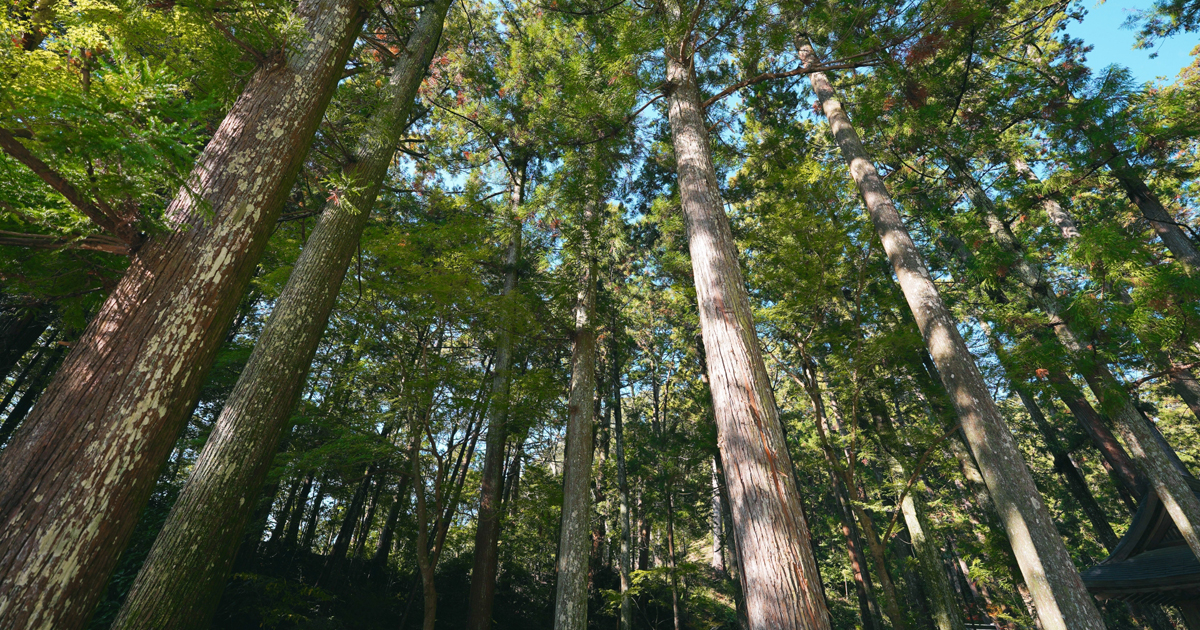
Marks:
<point>626,557</point>
<point>1145,445</point>
<point>1131,485</point>
<point>877,548</point>
<point>570,600</point>
<point>282,519</point>
<point>1148,203</point>
<point>424,562</point>
<point>27,370</point>
<point>1065,466</point>
<point>92,449</point>
<point>179,585</point>
<point>780,577</point>
<point>1062,600</point>
<point>368,522</point>
<point>336,561</point>
<point>676,612</point>
<point>487,529</point>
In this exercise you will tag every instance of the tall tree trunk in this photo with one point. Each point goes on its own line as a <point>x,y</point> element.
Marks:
<point>282,519</point>
<point>487,529</point>
<point>1152,210</point>
<point>1130,483</point>
<point>336,561</point>
<point>1145,445</point>
<point>424,562</point>
<point>1062,600</point>
<point>179,584</point>
<point>925,543</point>
<point>643,526</point>
<point>1065,466</point>
<point>780,576</point>
<point>676,612</point>
<point>626,558</point>
<point>570,607</point>
<point>368,522</point>
<point>92,449</point>
<point>310,525</point>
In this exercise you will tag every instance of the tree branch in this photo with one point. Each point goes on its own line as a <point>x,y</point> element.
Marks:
<point>121,227</point>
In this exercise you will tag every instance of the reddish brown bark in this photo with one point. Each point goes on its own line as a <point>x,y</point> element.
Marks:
<point>84,464</point>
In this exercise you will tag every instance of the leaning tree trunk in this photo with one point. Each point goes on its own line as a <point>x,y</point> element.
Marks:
<point>1062,601</point>
<point>1152,210</point>
<point>779,574</point>
<point>1182,380</point>
<point>19,333</point>
<point>1146,447</point>
<point>179,585</point>
<point>487,529</point>
<point>90,453</point>
<point>570,607</point>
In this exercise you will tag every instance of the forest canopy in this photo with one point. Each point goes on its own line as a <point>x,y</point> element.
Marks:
<point>791,314</point>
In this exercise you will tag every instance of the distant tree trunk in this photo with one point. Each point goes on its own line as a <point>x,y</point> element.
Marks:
<point>1130,483</point>
<point>282,519</point>
<point>1152,210</point>
<point>1065,466</point>
<point>368,522</point>
<point>179,584</point>
<point>487,528</point>
<point>310,525</point>
<point>425,563</point>
<point>288,542</point>
<point>18,333</point>
<point>45,370</point>
<point>388,534</point>
<point>676,612</point>
<point>622,485</point>
<point>1062,600</point>
<point>781,580</point>
<point>570,608</point>
<point>1147,448</point>
<point>643,522</point>
<point>335,563</point>
<point>868,607</point>
<point>92,449</point>
<point>925,543</point>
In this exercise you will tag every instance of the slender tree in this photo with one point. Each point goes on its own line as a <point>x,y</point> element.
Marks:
<point>1062,601</point>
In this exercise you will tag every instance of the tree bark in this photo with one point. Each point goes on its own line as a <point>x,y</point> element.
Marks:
<point>178,586</point>
<point>1062,600</point>
<point>487,529</point>
<point>626,558</point>
<point>781,581</point>
<point>676,611</point>
<point>90,452</point>
<point>290,535</point>
<point>1146,447</point>
<point>570,608</point>
<point>718,553</point>
<point>388,534</point>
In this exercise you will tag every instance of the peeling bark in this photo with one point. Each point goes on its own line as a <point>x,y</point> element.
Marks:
<point>179,584</point>
<point>85,463</point>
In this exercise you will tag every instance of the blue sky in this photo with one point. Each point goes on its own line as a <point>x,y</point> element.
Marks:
<point>1102,29</point>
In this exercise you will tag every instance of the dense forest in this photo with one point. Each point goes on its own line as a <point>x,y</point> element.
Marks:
<point>687,314</point>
